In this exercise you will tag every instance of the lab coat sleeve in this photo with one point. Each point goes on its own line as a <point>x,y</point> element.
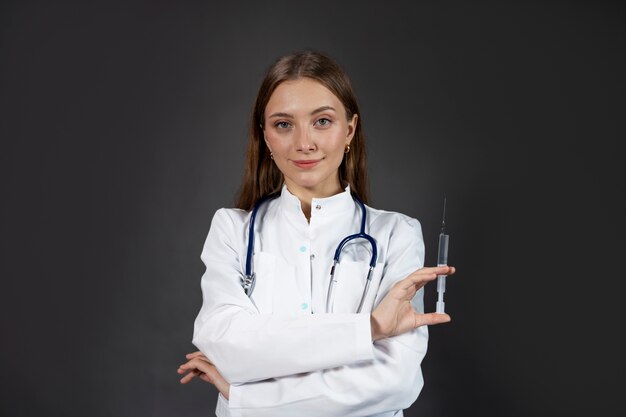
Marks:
<point>392,381</point>
<point>247,346</point>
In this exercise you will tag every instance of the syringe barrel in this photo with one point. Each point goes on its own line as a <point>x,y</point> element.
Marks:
<point>442,254</point>
<point>441,285</point>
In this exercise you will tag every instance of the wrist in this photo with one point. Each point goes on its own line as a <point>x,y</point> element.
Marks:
<point>224,388</point>
<point>374,328</point>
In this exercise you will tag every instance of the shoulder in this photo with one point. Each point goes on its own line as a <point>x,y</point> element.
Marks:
<point>230,216</point>
<point>393,221</point>
<point>226,233</point>
<point>227,222</point>
<point>400,241</point>
<point>397,235</point>
<point>237,220</point>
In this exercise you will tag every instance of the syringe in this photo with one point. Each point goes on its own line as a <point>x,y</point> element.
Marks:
<point>442,260</point>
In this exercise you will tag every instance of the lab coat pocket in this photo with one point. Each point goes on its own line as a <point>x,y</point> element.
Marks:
<point>276,288</point>
<point>287,299</point>
<point>264,268</point>
<point>351,278</point>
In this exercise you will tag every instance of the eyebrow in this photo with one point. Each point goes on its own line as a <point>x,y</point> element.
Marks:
<point>322,109</point>
<point>287,115</point>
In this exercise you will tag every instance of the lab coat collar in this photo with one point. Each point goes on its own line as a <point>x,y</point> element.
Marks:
<point>329,206</point>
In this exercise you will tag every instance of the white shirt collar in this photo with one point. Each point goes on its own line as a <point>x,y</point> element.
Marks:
<point>328,206</point>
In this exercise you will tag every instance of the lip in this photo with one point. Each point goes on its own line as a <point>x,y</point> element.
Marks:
<point>306,163</point>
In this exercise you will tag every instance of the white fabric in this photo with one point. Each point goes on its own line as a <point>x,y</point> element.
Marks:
<point>282,354</point>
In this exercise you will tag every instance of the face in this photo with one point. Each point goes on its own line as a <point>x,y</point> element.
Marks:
<point>307,131</point>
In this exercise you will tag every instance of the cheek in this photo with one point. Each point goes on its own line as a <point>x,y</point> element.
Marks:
<point>272,143</point>
<point>338,144</point>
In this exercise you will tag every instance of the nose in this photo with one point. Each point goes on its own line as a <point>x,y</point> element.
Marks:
<point>304,141</point>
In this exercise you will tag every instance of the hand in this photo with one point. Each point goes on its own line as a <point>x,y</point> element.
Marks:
<point>199,365</point>
<point>395,315</point>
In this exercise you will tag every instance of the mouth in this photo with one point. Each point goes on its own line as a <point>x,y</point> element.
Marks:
<point>306,163</point>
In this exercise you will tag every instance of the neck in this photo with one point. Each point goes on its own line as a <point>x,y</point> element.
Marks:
<point>306,195</point>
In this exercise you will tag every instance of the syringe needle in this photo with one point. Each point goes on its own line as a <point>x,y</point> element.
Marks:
<point>443,219</point>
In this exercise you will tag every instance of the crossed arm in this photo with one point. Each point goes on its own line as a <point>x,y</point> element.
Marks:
<point>393,316</point>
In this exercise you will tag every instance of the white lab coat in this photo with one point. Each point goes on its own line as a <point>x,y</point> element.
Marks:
<point>282,354</point>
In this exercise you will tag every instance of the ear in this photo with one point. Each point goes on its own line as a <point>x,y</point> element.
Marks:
<point>265,138</point>
<point>352,124</point>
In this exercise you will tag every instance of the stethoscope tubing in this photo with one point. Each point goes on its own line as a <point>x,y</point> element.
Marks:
<point>249,279</point>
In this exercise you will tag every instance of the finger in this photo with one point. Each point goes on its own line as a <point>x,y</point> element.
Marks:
<point>182,370</point>
<point>439,270</point>
<point>198,355</point>
<point>187,378</point>
<point>198,364</point>
<point>431,319</point>
<point>424,275</point>
<point>191,375</point>
<point>417,278</point>
<point>205,378</point>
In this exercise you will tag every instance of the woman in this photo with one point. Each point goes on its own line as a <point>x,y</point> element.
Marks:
<point>288,348</point>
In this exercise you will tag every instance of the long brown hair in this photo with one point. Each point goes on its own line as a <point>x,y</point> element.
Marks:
<point>261,176</point>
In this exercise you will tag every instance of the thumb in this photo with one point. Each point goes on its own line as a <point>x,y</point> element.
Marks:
<point>431,319</point>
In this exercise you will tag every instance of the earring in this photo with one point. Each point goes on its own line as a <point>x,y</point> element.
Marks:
<point>347,149</point>
<point>272,156</point>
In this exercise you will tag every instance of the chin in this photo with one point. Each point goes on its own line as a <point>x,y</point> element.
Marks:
<point>307,184</point>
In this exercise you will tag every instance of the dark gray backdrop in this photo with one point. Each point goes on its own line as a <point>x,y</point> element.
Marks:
<point>123,129</point>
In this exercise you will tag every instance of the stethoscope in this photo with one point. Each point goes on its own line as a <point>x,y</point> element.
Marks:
<point>249,280</point>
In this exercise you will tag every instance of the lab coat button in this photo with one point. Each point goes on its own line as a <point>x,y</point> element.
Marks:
<point>304,306</point>
<point>302,248</point>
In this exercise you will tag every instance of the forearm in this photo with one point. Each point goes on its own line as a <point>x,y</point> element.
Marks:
<point>250,347</point>
<point>392,381</point>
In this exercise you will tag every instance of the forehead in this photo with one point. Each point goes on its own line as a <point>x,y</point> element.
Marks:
<point>302,94</point>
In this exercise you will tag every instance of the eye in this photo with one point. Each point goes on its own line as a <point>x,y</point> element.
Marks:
<point>323,122</point>
<point>282,125</point>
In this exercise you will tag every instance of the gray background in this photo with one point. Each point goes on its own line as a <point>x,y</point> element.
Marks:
<point>123,129</point>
